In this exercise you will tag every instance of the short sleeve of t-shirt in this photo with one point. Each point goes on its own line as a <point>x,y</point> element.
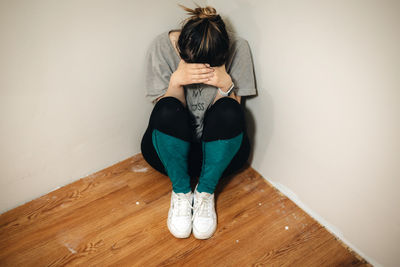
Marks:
<point>241,69</point>
<point>159,68</point>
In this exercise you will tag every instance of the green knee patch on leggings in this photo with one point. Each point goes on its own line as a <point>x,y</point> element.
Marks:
<point>216,157</point>
<point>173,153</point>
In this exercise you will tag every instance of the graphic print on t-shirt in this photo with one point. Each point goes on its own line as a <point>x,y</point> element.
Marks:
<point>199,105</point>
<point>196,95</point>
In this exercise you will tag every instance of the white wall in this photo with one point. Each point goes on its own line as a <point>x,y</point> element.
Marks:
<point>72,98</point>
<point>327,118</point>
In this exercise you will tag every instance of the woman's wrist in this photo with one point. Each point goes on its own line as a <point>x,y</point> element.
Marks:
<point>173,81</point>
<point>227,84</point>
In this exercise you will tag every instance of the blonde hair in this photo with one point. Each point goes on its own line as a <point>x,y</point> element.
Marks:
<point>200,12</point>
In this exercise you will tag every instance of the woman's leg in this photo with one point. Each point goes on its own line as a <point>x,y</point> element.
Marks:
<point>166,142</point>
<point>225,144</point>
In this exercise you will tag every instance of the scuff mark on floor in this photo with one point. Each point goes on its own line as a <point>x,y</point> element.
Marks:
<point>73,251</point>
<point>139,169</point>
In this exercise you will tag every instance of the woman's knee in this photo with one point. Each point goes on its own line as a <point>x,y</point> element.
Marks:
<point>225,119</point>
<point>165,109</point>
<point>171,117</point>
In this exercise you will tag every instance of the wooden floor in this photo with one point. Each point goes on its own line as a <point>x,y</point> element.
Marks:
<point>118,217</point>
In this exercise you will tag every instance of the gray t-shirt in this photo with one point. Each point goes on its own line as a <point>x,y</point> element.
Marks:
<point>162,60</point>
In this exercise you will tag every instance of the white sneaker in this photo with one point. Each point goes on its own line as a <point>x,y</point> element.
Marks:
<point>204,216</point>
<point>180,214</point>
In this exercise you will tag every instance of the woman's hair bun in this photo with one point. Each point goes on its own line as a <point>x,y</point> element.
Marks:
<point>200,12</point>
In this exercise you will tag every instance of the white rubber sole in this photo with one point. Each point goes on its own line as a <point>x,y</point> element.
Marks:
<point>198,235</point>
<point>177,235</point>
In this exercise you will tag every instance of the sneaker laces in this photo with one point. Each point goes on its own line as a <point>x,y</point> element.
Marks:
<point>203,207</point>
<point>180,206</point>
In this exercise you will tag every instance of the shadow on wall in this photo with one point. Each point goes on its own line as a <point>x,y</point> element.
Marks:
<point>263,103</point>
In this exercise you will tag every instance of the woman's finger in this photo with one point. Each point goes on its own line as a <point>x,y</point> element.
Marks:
<point>197,65</point>
<point>201,71</point>
<point>203,76</point>
<point>201,80</point>
<point>209,82</point>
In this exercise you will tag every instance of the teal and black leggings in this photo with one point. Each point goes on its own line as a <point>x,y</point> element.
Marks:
<point>169,146</point>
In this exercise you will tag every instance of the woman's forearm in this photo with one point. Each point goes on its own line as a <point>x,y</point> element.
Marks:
<point>176,90</point>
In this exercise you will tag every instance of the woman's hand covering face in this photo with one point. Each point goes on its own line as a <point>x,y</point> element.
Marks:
<point>189,73</point>
<point>220,78</point>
